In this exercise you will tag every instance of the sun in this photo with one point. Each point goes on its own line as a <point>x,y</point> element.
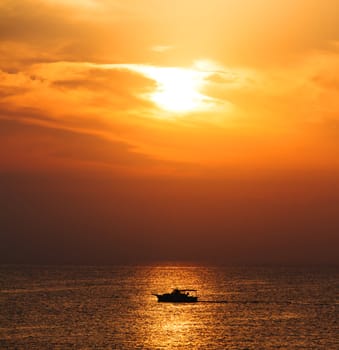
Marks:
<point>178,90</point>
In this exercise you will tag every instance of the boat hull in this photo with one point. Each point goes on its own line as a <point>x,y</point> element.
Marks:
<point>170,298</point>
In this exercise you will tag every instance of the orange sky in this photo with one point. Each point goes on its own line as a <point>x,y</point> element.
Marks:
<point>224,100</point>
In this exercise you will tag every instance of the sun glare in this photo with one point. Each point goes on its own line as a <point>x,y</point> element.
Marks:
<point>178,89</point>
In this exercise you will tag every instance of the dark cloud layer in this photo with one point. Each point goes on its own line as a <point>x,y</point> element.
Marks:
<point>62,144</point>
<point>50,218</point>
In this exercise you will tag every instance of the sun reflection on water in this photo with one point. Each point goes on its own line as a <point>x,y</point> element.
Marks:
<point>172,325</point>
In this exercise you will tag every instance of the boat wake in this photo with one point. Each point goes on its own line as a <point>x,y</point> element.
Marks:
<point>214,301</point>
<point>229,301</point>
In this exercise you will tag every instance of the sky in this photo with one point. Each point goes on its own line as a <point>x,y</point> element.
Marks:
<point>144,131</point>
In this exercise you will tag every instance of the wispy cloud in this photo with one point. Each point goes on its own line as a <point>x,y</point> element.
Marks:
<point>161,48</point>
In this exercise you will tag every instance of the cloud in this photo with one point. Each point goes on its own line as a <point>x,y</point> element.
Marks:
<point>161,48</point>
<point>104,80</point>
<point>26,146</point>
<point>83,89</point>
<point>273,111</point>
<point>67,31</point>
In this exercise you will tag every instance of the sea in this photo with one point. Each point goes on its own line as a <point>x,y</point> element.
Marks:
<point>112,307</point>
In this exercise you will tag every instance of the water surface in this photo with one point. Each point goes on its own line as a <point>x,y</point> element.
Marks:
<point>112,308</point>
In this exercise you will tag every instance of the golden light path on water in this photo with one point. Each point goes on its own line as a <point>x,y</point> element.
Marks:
<point>227,312</point>
<point>172,325</point>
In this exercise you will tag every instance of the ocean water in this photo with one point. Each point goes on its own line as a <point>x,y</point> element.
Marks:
<point>113,308</point>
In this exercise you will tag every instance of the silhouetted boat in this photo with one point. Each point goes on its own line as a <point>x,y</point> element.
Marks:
<point>178,296</point>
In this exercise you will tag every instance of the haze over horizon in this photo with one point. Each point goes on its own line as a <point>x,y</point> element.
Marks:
<point>149,131</point>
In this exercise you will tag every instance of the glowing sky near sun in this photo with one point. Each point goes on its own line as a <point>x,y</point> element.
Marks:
<point>234,77</point>
<point>178,89</point>
<point>192,90</point>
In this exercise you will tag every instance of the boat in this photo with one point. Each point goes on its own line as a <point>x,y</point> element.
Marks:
<point>178,296</point>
